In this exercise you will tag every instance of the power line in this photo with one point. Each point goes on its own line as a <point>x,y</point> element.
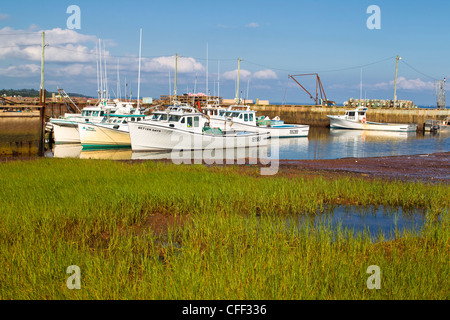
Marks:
<point>433,78</point>
<point>322,71</point>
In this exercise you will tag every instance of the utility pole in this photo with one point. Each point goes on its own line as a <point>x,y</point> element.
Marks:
<point>42,70</point>
<point>139,72</point>
<point>42,101</point>
<point>395,81</point>
<point>237,85</point>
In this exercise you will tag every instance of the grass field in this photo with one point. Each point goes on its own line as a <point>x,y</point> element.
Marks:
<point>154,230</point>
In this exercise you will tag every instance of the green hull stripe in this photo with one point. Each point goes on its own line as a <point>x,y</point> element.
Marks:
<point>106,146</point>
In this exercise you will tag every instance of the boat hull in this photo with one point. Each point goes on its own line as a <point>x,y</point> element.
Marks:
<point>146,136</point>
<point>94,136</point>
<point>276,131</point>
<point>65,131</point>
<point>336,122</point>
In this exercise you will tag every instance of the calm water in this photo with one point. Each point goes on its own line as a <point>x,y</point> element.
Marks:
<point>322,143</point>
<point>376,220</point>
<point>325,143</point>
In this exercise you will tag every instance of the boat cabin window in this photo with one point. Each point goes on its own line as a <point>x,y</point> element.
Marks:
<point>183,120</point>
<point>196,122</point>
<point>250,117</point>
<point>163,117</point>
<point>155,117</point>
<point>95,113</point>
<point>124,121</point>
<point>240,116</point>
<point>133,119</point>
<point>174,118</point>
<point>361,113</point>
<point>189,122</point>
<point>245,117</point>
<point>351,113</point>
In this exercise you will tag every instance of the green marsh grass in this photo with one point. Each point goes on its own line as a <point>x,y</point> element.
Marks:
<point>240,238</point>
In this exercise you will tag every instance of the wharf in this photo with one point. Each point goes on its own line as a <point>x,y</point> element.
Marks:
<point>317,116</point>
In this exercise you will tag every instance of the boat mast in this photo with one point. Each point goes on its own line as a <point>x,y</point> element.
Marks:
<point>170,89</point>
<point>176,74</point>
<point>218,80</point>
<point>237,84</point>
<point>360,89</point>
<point>101,73</point>
<point>139,72</point>
<point>119,95</point>
<point>248,84</point>
<point>207,93</point>
<point>98,79</point>
<point>106,73</point>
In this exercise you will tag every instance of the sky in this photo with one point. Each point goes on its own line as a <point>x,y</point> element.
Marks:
<point>274,39</point>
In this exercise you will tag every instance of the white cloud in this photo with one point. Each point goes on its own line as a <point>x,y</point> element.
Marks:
<point>21,71</point>
<point>63,45</point>
<point>245,74</point>
<point>252,25</point>
<point>75,70</point>
<point>232,75</point>
<point>403,83</point>
<point>3,16</point>
<point>265,74</point>
<point>164,64</point>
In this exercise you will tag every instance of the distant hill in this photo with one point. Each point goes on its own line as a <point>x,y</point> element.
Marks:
<point>33,93</point>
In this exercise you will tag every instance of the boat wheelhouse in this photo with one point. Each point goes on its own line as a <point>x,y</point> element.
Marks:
<point>188,129</point>
<point>241,117</point>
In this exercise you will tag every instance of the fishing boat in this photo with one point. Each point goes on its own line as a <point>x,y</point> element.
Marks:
<point>112,132</point>
<point>241,117</point>
<point>66,129</point>
<point>356,120</point>
<point>188,129</point>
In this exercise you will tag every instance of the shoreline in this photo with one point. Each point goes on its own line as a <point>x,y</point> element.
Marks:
<point>429,168</point>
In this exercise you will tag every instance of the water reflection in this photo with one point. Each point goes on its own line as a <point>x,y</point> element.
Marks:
<point>109,154</point>
<point>67,150</point>
<point>326,143</point>
<point>322,143</point>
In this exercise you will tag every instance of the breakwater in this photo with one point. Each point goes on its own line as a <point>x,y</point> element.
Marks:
<point>317,116</point>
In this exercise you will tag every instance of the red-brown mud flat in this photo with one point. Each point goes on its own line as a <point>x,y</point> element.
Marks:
<point>433,167</point>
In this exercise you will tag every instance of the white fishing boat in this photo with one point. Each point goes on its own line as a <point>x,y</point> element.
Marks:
<point>66,129</point>
<point>112,132</point>
<point>188,129</point>
<point>356,120</point>
<point>241,117</point>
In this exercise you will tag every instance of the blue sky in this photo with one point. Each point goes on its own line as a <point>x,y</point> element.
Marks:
<point>274,39</point>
